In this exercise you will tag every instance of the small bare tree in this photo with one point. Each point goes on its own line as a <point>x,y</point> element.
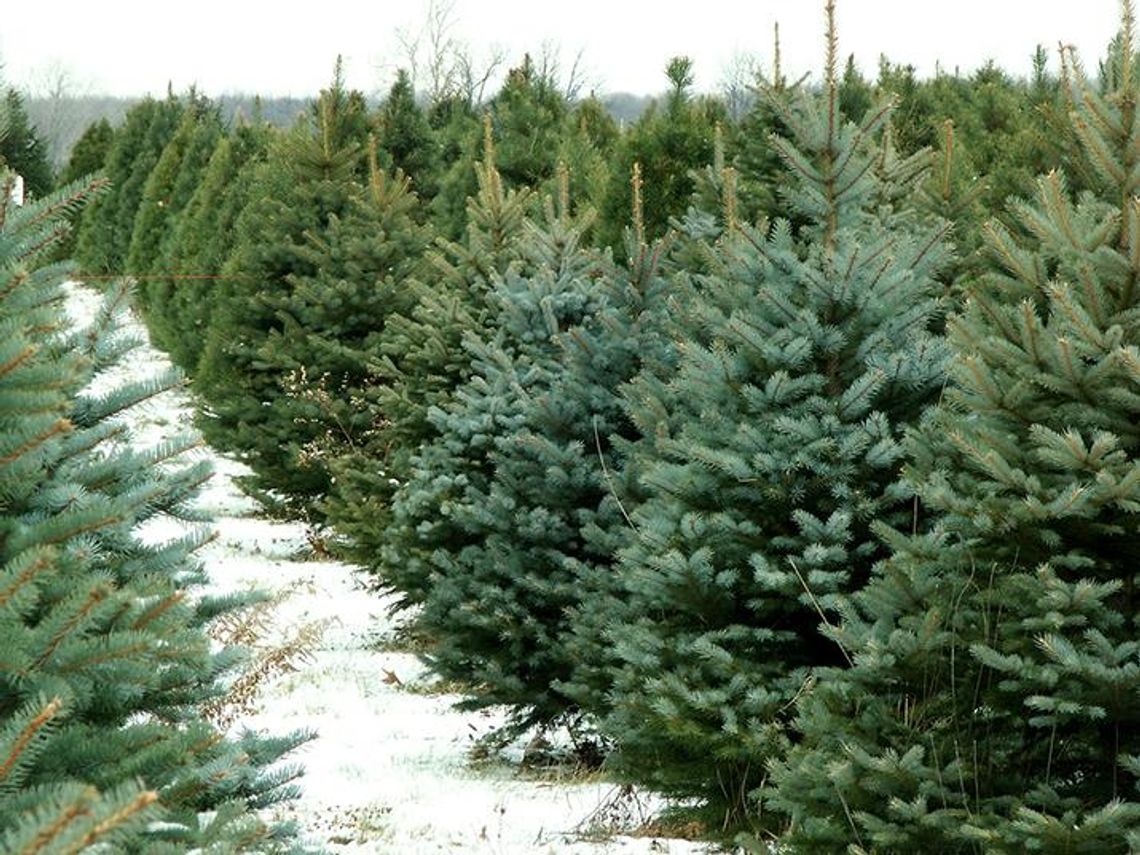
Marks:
<point>549,68</point>
<point>54,94</point>
<point>474,76</point>
<point>440,64</point>
<point>739,79</point>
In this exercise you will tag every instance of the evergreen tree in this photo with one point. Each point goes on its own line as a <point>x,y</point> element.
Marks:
<point>106,668</point>
<point>993,704</point>
<point>22,150</point>
<point>168,191</point>
<point>456,127</point>
<point>768,456</point>
<point>420,360</point>
<point>342,115</point>
<point>204,238</point>
<point>167,119</point>
<point>319,263</point>
<point>94,235</point>
<point>170,186</point>
<point>760,173</point>
<point>407,141</point>
<point>586,148</point>
<point>88,156</point>
<point>668,142</point>
<point>105,229</point>
<point>1006,130</point>
<point>542,529</point>
<point>956,193</point>
<point>529,118</point>
<point>439,558</point>
<point>757,161</point>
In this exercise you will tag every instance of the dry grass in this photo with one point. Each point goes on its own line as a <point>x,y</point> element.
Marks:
<point>251,628</point>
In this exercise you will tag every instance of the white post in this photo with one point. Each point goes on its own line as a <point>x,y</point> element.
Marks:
<point>17,192</point>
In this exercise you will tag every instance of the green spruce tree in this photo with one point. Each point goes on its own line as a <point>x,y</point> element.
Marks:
<point>456,126</point>
<point>994,702</point>
<point>168,191</point>
<point>319,263</point>
<point>669,141</point>
<point>22,150</point>
<point>529,116</point>
<point>104,236</point>
<point>88,157</point>
<point>407,140</point>
<point>204,238</point>
<point>89,154</point>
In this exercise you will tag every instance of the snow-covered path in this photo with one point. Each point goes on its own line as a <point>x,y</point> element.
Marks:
<point>389,770</point>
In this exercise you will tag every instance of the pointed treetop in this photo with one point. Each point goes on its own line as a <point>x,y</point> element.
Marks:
<point>1127,44</point>
<point>948,157</point>
<point>563,189</point>
<point>679,70</point>
<point>1104,116</point>
<point>831,70</point>
<point>638,206</point>
<point>391,194</point>
<point>777,69</point>
<point>488,141</point>
<point>731,221</point>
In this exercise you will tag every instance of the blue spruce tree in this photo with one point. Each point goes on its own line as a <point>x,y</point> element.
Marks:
<point>106,668</point>
<point>773,449</point>
<point>459,542</point>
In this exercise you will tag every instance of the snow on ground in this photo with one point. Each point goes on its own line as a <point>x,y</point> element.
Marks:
<point>389,771</point>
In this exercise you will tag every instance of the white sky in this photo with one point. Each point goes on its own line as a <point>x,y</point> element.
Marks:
<point>127,47</point>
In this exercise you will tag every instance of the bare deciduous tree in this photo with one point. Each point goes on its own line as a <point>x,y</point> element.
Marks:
<point>473,77</point>
<point>739,79</point>
<point>53,93</point>
<point>549,68</point>
<point>440,64</point>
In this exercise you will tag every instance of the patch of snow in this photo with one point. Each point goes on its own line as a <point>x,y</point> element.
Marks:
<point>389,771</point>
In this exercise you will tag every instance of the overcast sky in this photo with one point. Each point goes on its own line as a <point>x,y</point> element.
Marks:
<point>126,47</point>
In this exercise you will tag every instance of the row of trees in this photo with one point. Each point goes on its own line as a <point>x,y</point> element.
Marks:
<point>800,469</point>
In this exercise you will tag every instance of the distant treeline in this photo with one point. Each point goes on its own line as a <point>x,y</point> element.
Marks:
<point>60,121</point>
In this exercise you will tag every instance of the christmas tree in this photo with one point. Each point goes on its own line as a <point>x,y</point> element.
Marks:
<point>89,153</point>
<point>320,261</point>
<point>107,669</point>
<point>420,360</point>
<point>88,156</point>
<point>437,556</point>
<point>168,190</point>
<point>22,150</point>
<point>547,524</point>
<point>774,448</point>
<point>203,239</point>
<point>668,141</point>
<point>407,141</point>
<point>106,227</point>
<point>532,525</point>
<point>529,117</point>
<point>993,704</point>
